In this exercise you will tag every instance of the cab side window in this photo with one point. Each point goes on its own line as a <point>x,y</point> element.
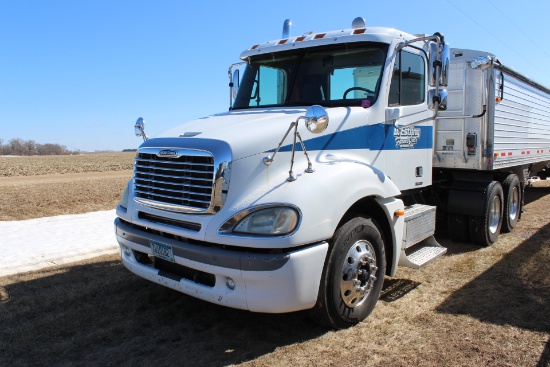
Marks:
<point>408,80</point>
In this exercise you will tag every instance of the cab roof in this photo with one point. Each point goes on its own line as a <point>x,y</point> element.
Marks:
<point>367,34</point>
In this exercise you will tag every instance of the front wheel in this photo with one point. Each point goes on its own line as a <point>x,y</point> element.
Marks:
<point>353,275</point>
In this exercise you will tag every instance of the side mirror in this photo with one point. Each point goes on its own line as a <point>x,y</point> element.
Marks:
<point>139,128</point>
<point>443,96</point>
<point>445,64</point>
<point>235,80</point>
<point>316,119</point>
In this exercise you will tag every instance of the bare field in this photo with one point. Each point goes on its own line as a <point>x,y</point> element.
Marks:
<point>62,164</point>
<point>474,307</point>
<point>40,186</point>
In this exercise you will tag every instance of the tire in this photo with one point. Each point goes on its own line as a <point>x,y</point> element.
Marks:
<point>512,203</point>
<point>353,275</point>
<point>458,228</point>
<point>484,230</point>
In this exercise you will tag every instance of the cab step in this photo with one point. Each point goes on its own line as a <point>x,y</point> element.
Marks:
<point>419,247</point>
<point>423,253</point>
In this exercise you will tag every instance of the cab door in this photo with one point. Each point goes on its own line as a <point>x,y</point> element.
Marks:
<point>409,146</point>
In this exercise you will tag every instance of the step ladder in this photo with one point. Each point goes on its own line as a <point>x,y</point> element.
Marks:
<point>419,247</point>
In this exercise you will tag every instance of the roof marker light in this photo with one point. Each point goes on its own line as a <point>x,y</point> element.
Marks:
<point>320,35</point>
<point>359,31</point>
<point>300,39</point>
<point>282,42</point>
<point>254,47</point>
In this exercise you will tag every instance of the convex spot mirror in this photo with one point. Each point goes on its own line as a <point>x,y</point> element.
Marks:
<point>443,94</point>
<point>316,119</point>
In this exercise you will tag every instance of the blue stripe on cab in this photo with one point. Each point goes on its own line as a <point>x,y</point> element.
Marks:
<point>373,137</point>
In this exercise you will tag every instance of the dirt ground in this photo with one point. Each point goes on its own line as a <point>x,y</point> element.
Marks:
<point>473,307</point>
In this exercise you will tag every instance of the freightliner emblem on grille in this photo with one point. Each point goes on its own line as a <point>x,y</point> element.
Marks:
<point>168,153</point>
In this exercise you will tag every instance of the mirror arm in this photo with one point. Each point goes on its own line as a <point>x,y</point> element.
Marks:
<point>436,117</point>
<point>466,116</point>
<point>397,125</point>
<point>269,158</point>
<point>309,168</point>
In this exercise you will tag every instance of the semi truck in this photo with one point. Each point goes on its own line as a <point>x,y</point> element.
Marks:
<point>338,153</point>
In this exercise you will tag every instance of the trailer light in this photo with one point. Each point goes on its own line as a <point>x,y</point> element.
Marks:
<point>498,99</point>
<point>230,283</point>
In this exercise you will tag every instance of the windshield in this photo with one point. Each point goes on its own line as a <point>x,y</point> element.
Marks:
<point>344,75</point>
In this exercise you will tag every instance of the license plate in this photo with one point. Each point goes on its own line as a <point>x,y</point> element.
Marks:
<point>162,251</point>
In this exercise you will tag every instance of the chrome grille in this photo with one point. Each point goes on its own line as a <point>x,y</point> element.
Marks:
<point>179,182</point>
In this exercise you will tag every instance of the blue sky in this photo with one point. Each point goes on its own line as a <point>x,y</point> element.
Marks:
<point>79,73</point>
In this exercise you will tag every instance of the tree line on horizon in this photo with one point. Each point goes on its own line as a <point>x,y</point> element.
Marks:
<point>18,146</point>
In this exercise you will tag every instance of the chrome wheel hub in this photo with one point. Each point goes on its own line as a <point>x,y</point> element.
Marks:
<point>514,204</point>
<point>494,214</point>
<point>358,273</point>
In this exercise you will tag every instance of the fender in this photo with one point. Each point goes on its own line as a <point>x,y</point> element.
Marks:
<point>338,183</point>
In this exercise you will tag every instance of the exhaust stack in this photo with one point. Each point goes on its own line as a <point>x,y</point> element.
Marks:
<point>286,28</point>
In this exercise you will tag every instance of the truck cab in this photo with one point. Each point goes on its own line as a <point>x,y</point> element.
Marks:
<point>293,199</point>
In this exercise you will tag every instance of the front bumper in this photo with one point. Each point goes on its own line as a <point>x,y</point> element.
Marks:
<point>273,283</point>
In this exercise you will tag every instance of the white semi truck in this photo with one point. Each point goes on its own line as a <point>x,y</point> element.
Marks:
<point>325,174</point>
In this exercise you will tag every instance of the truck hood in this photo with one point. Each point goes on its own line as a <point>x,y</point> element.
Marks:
<point>248,132</point>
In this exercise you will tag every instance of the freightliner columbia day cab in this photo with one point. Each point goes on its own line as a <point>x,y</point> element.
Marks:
<point>325,174</point>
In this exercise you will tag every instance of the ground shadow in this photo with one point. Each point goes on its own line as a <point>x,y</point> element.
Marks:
<point>544,360</point>
<point>515,291</point>
<point>456,248</point>
<point>395,289</point>
<point>101,314</point>
<point>533,193</point>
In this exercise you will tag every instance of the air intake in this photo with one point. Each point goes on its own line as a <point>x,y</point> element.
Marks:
<point>175,180</point>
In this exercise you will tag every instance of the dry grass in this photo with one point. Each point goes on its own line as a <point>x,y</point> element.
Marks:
<point>474,307</point>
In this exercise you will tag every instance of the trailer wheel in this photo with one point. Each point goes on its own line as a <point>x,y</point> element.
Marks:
<point>512,203</point>
<point>484,230</point>
<point>353,275</point>
<point>458,227</point>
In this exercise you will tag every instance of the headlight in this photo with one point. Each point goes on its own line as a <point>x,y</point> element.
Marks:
<point>270,221</point>
<point>124,199</point>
